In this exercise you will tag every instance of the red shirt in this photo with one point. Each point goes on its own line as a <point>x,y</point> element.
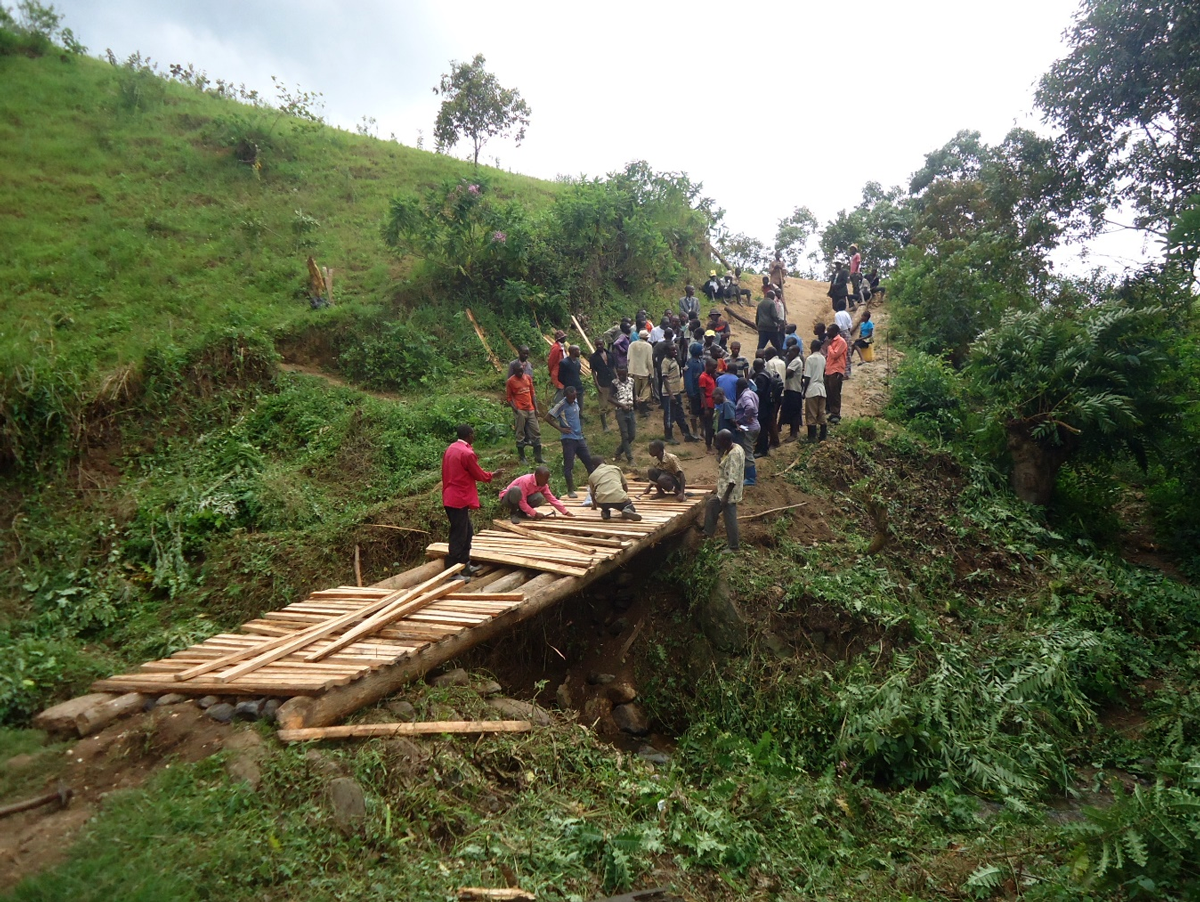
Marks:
<point>519,392</point>
<point>555,358</point>
<point>855,263</point>
<point>835,360</point>
<point>707,384</point>
<point>460,472</point>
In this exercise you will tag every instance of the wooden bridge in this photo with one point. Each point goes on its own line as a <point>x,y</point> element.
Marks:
<point>345,648</point>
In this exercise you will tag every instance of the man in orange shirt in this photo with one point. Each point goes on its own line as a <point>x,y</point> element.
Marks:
<point>835,373</point>
<point>518,392</point>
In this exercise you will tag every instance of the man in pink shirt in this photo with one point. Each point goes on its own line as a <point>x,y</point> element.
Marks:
<point>835,373</point>
<point>855,276</point>
<point>460,473</point>
<point>529,491</point>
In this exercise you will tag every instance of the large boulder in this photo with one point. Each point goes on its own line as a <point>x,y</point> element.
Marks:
<point>721,620</point>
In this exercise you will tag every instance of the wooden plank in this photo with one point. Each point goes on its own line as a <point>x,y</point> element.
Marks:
<point>426,728</point>
<point>399,609</point>
<point>483,340</point>
<point>440,549</point>
<point>591,347</point>
<point>274,649</point>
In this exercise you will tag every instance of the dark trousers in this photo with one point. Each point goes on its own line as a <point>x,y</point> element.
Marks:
<point>765,415</point>
<point>572,448</point>
<point>672,408</point>
<point>765,338</point>
<point>627,423</point>
<point>460,536</point>
<point>792,413</point>
<point>833,394</point>
<point>512,500</point>
<point>714,508</point>
<point>706,423</point>
<point>653,474</point>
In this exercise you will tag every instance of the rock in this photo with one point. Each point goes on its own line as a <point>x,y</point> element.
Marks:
<point>489,687</point>
<point>700,658</point>
<point>819,638</point>
<point>244,764</point>
<point>597,708</point>
<point>776,646</point>
<point>402,709</point>
<point>445,712</point>
<point>511,709</point>
<point>618,626</point>
<point>456,677</point>
<point>624,578</point>
<point>322,765</point>
<point>622,602</point>
<point>775,595</point>
<point>171,698</point>
<point>405,749</point>
<point>600,679</point>
<point>208,701</point>
<point>562,695</point>
<point>621,692</point>
<point>651,755</point>
<point>222,712</point>
<point>249,710</point>
<point>348,804</point>
<point>721,620</point>
<point>270,707</point>
<point>631,719</point>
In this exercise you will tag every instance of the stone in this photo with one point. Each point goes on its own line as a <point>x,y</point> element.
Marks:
<point>322,765</point>
<point>19,762</point>
<point>488,688</point>
<point>562,695</point>
<point>819,638</point>
<point>621,691</point>
<point>721,620</point>
<point>407,750</point>
<point>622,602</point>
<point>455,677</point>
<point>250,709</point>
<point>511,709</point>
<point>445,712</point>
<point>348,804</point>
<point>618,626</point>
<point>631,719</point>
<point>402,709</point>
<point>624,578</point>
<point>596,708</point>
<point>775,594</point>
<point>222,712</point>
<point>171,698</point>
<point>700,658</point>
<point>270,709</point>
<point>244,763</point>
<point>651,755</point>
<point>208,701</point>
<point>600,679</point>
<point>776,645</point>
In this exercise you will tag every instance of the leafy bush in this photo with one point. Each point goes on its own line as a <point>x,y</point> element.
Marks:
<point>394,357</point>
<point>927,393</point>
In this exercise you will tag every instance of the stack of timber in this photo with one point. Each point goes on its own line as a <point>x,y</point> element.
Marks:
<point>344,648</point>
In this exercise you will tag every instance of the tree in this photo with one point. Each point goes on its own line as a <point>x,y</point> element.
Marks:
<point>1065,383</point>
<point>477,108</point>
<point>793,235</point>
<point>743,252</point>
<point>880,225</point>
<point>1127,102</point>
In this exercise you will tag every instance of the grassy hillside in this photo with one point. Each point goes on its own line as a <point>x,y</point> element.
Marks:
<point>128,226</point>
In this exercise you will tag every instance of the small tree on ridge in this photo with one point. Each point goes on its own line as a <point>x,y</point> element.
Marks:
<point>477,108</point>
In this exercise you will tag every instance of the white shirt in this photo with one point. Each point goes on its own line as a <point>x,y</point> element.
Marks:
<point>814,369</point>
<point>842,318</point>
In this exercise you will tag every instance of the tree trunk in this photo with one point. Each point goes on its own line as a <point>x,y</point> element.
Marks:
<point>1035,466</point>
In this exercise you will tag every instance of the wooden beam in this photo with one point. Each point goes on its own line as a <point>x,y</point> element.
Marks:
<point>591,347</point>
<point>440,549</point>
<point>483,340</point>
<point>427,728</point>
<point>544,537</point>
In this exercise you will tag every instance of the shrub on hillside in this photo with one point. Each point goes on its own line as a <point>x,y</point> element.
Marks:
<point>394,357</point>
<point>927,394</point>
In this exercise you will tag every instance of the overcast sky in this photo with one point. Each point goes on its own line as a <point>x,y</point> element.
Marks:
<point>770,105</point>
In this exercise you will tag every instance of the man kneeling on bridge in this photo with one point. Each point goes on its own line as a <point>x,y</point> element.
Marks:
<point>667,477</point>
<point>529,491</point>
<point>609,492</point>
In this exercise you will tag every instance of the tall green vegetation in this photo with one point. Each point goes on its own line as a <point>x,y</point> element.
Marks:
<point>476,108</point>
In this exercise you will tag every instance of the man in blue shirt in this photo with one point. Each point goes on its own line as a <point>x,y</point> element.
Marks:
<point>691,384</point>
<point>727,382</point>
<point>566,417</point>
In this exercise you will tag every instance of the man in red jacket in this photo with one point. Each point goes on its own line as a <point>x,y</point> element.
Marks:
<point>557,352</point>
<point>460,473</point>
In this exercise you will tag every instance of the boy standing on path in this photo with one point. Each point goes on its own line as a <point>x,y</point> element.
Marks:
<point>793,393</point>
<point>566,416</point>
<point>622,395</point>
<point>814,391</point>
<point>708,384</point>
<point>460,473</point>
<point>672,398</point>
<point>730,466</point>
<point>518,391</point>
<point>835,373</point>
<point>746,418</point>
<point>641,367</point>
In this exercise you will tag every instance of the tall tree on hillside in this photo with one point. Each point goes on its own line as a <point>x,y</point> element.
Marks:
<point>477,108</point>
<point>880,225</point>
<point>793,235</point>
<point>1127,101</point>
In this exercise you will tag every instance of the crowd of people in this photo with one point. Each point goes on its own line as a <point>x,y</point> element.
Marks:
<point>705,386</point>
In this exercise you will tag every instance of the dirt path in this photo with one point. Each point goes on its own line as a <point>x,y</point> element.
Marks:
<point>864,395</point>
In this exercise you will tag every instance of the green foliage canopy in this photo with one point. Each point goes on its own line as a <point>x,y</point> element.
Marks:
<point>477,108</point>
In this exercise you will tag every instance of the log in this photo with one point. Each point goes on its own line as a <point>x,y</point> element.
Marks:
<point>96,718</point>
<point>483,894</point>
<point>357,567</point>
<point>543,537</point>
<point>410,578</point>
<point>741,319</point>
<point>587,341</point>
<point>541,593</point>
<point>62,795</point>
<point>440,549</point>
<point>483,340</point>
<point>774,510</point>
<point>433,727</point>
<point>60,718</point>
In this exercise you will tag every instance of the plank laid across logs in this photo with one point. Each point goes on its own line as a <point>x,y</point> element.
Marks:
<point>345,647</point>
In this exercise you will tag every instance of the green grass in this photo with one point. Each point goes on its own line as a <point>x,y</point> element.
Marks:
<point>125,229</point>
